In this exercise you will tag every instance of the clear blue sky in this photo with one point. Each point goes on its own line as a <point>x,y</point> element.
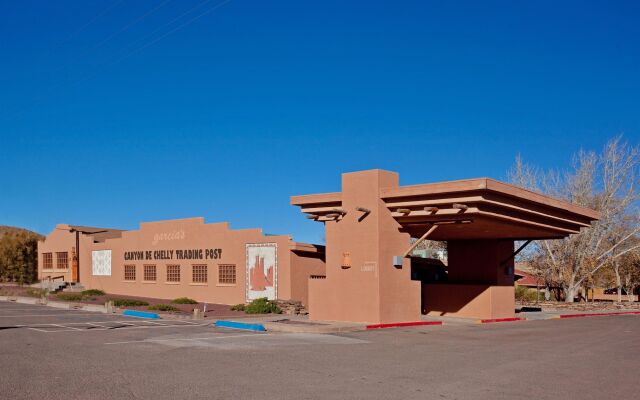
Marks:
<point>112,114</point>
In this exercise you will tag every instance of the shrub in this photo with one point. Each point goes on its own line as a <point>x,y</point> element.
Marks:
<point>237,307</point>
<point>93,292</point>
<point>262,306</point>
<point>523,293</point>
<point>129,303</point>
<point>33,292</point>
<point>162,307</point>
<point>184,300</point>
<point>70,296</point>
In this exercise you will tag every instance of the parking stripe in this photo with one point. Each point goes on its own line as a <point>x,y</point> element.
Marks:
<point>40,330</point>
<point>95,324</point>
<point>186,339</point>
<point>84,313</point>
<point>66,328</point>
<point>23,309</point>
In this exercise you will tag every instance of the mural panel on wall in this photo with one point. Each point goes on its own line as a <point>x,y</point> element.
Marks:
<point>101,262</point>
<point>262,264</point>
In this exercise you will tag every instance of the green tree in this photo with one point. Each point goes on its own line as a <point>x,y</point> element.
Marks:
<point>19,256</point>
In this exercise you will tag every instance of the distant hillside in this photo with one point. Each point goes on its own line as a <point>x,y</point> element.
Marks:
<point>4,230</point>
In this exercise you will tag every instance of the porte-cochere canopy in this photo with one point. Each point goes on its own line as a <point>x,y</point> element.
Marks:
<point>479,208</point>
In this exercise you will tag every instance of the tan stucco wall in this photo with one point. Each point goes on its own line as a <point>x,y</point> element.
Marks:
<point>193,234</point>
<point>480,281</point>
<point>303,266</point>
<point>372,290</point>
<point>470,301</point>
<point>59,240</point>
<point>481,261</point>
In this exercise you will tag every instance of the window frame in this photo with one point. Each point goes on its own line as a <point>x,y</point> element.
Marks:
<point>227,275</point>
<point>173,276</point>
<point>65,258</point>
<point>135,272</point>
<point>150,267</point>
<point>202,278</point>
<point>47,261</point>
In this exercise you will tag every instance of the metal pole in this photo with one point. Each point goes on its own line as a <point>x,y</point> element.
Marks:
<point>515,253</point>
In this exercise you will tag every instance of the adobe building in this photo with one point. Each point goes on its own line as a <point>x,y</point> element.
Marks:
<point>368,272</point>
<point>369,227</point>
<point>168,259</point>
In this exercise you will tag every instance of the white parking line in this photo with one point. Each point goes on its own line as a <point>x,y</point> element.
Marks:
<point>41,330</point>
<point>124,323</point>
<point>151,322</point>
<point>68,327</point>
<point>95,324</point>
<point>42,327</point>
<point>185,339</point>
<point>39,315</point>
<point>189,322</point>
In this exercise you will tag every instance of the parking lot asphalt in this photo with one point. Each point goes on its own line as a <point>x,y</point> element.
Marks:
<point>69,354</point>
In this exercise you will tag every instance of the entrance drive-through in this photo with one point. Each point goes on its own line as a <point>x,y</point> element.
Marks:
<point>368,227</point>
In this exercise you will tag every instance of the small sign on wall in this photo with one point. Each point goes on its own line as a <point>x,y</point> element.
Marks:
<point>101,262</point>
<point>369,266</point>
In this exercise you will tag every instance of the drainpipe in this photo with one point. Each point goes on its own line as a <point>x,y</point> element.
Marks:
<point>78,255</point>
<point>78,232</point>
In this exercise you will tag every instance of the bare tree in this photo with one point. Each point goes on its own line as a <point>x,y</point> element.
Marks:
<point>629,276</point>
<point>437,249</point>
<point>607,182</point>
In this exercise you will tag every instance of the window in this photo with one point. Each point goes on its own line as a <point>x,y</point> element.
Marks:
<point>227,274</point>
<point>173,273</point>
<point>150,273</point>
<point>62,260</point>
<point>129,272</point>
<point>199,274</point>
<point>47,260</point>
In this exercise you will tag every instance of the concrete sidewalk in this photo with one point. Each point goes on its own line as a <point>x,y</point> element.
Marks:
<point>302,324</point>
<point>299,324</point>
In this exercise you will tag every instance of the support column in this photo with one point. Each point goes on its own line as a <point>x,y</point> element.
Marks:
<point>368,288</point>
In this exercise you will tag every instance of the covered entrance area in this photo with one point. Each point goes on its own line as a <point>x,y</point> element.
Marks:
<point>369,226</point>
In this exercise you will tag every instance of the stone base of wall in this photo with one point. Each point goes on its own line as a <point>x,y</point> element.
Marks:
<point>582,306</point>
<point>292,307</point>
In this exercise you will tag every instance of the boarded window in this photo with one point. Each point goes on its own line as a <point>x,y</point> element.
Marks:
<point>150,273</point>
<point>47,260</point>
<point>199,274</point>
<point>227,274</point>
<point>173,273</point>
<point>129,272</point>
<point>62,260</point>
<point>101,262</point>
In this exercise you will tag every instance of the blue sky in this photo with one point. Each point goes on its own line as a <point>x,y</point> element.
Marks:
<point>115,112</point>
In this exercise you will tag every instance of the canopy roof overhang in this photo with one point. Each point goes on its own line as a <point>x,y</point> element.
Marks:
<point>98,234</point>
<point>467,209</point>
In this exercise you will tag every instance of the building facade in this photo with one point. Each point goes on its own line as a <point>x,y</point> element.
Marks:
<point>169,259</point>
<point>372,226</point>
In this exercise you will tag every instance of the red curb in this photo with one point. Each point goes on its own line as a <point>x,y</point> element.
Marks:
<point>490,321</point>
<point>563,316</point>
<point>400,324</point>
